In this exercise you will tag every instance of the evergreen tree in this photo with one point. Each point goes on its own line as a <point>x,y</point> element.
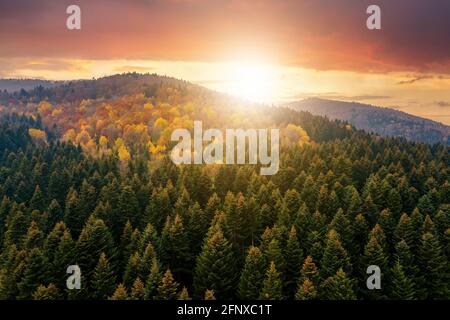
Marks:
<point>216,265</point>
<point>34,237</point>
<point>55,214</point>
<point>103,282</point>
<point>294,258</point>
<point>273,253</point>
<point>168,288</point>
<point>306,291</point>
<point>272,285</point>
<point>252,275</point>
<point>175,244</point>
<point>405,231</point>
<point>49,292</point>
<point>120,293</point>
<point>338,287</point>
<point>335,257</point>
<point>138,290</point>
<point>133,270</point>
<point>184,294</point>
<point>73,217</point>
<point>341,225</point>
<point>94,239</point>
<point>374,255</point>
<point>402,286</point>
<point>309,271</point>
<point>209,295</point>
<point>35,273</point>
<point>158,208</point>
<point>37,202</point>
<point>63,257</point>
<point>360,230</point>
<point>153,280</point>
<point>433,265</point>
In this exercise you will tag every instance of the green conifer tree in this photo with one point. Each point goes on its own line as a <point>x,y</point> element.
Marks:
<point>216,266</point>
<point>168,288</point>
<point>103,281</point>
<point>272,286</point>
<point>252,275</point>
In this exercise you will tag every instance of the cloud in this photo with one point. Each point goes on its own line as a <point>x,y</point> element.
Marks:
<point>443,104</point>
<point>320,34</point>
<point>416,79</point>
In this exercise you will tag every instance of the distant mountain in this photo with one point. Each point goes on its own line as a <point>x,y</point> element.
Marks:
<point>383,121</point>
<point>13,85</point>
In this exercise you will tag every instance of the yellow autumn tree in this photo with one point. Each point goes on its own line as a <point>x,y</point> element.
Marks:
<point>296,134</point>
<point>44,107</point>
<point>70,135</point>
<point>37,134</point>
<point>124,154</point>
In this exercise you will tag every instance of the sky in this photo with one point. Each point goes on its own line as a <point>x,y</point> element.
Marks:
<point>264,50</point>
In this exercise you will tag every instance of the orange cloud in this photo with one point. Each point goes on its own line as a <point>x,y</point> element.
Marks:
<point>320,34</point>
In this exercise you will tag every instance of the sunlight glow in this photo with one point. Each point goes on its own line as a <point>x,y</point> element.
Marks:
<point>252,81</point>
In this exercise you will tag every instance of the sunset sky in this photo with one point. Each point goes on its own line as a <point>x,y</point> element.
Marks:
<point>265,50</point>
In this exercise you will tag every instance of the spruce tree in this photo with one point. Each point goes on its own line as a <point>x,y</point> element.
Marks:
<point>360,230</point>
<point>294,259</point>
<point>335,257</point>
<point>306,291</point>
<point>64,256</point>
<point>133,270</point>
<point>309,271</point>
<point>120,293</point>
<point>338,287</point>
<point>37,202</point>
<point>209,295</point>
<point>137,290</point>
<point>409,266</point>
<point>157,209</point>
<point>94,239</point>
<point>402,286</point>
<point>49,292</point>
<point>35,273</point>
<point>274,253</point>
<point>103,282</point>
<point>341,225</point>
<point>405,231</point>
<point>434,267</point>
<point>73,217</point>
<point>252,275</point>
<point>216,266</point>
<point>272,286</point>
<point>168,288</point>
<point>34,237</point>
<point>153,280</point>
<point>184,294</point>
<point>373,255</point>
<point>175,244</point>
<point>55,214</point>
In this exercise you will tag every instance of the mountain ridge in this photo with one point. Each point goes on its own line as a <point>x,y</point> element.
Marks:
<point>380,120</point>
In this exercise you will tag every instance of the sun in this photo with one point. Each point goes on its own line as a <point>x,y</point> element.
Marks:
<point>252,81</point>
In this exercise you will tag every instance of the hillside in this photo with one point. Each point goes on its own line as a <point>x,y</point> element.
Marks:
<point>13,85</point>
<point>383,121</point>
<point>85,179</point>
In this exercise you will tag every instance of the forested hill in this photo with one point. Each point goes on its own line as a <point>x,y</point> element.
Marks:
<point>87,181</point>
<point>384,121</point>
<point>17,85</point>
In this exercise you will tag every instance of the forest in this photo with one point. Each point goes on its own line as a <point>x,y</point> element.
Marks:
<point>85,179</point>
